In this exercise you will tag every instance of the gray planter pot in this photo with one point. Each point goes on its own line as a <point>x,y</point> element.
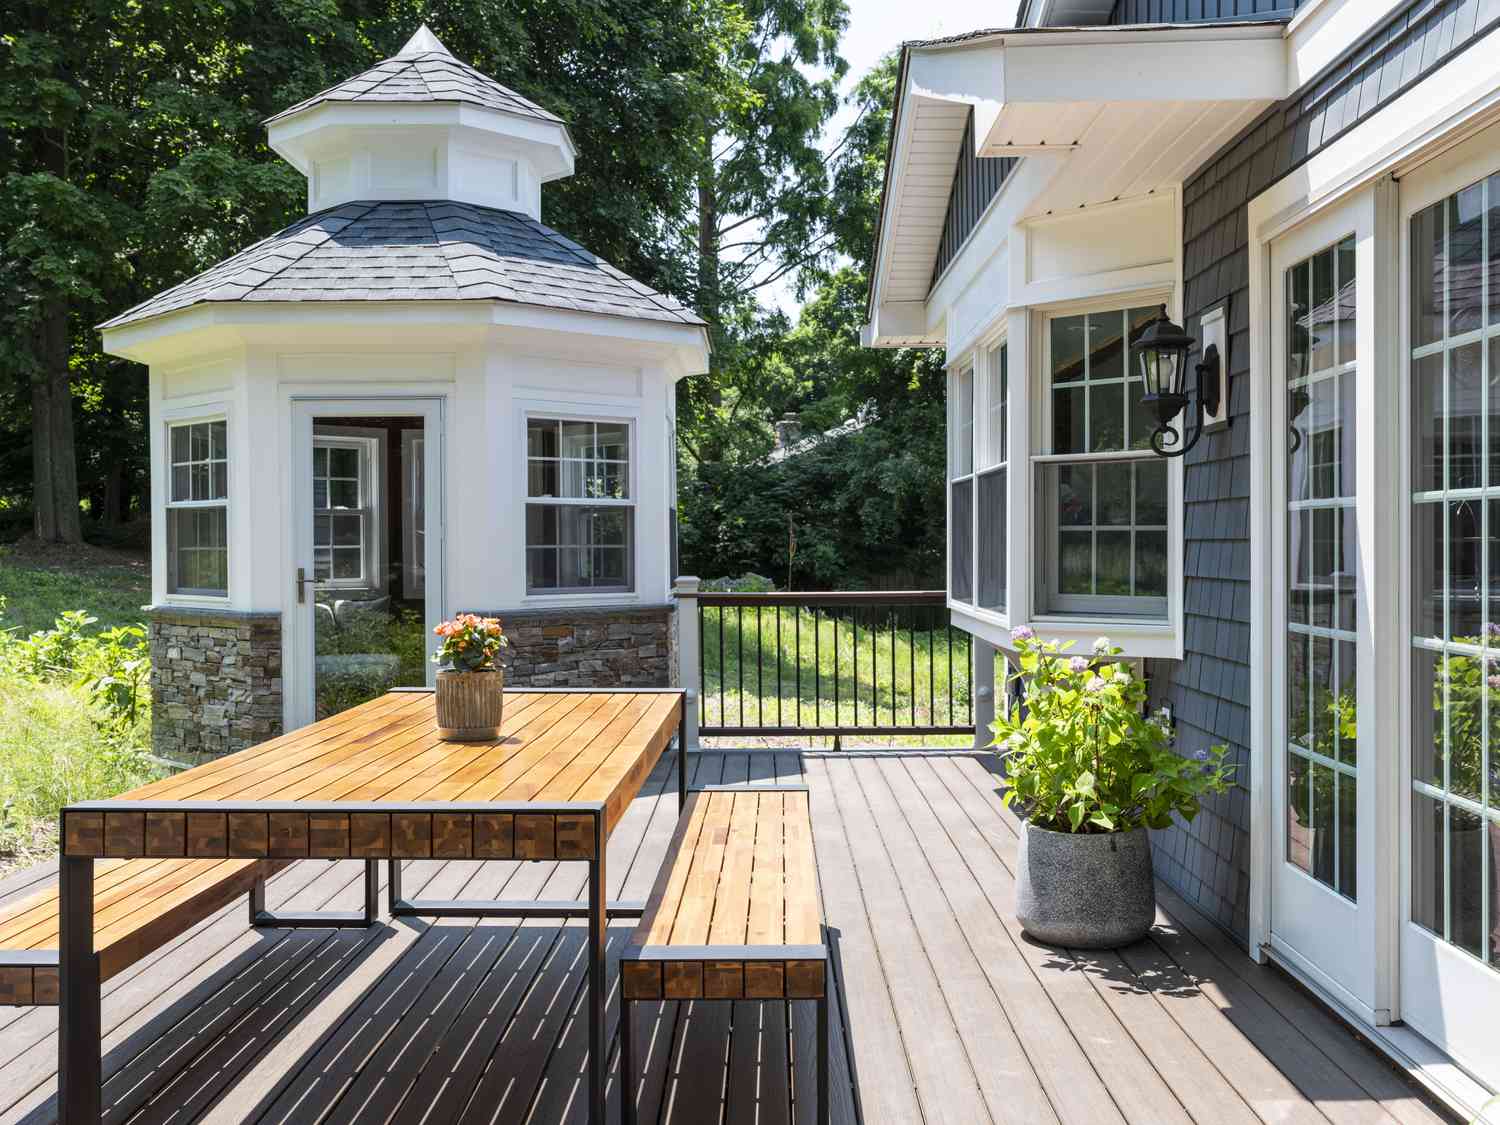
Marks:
<point>1085,891</point>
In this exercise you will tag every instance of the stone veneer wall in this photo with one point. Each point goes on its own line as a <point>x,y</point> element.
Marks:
<point>215,680</point>
<point>629,646</point>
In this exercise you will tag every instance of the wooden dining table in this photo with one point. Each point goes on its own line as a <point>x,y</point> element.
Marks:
<point>376,783</point>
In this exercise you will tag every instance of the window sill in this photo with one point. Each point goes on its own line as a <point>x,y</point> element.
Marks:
<point>583,597</point>
<point>1148,640</point>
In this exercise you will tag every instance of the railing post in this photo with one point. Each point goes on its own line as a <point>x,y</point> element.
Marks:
<point>983,688</point>
<point>689,659</point>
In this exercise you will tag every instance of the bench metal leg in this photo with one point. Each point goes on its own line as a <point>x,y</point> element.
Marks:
<point>78,1039</point>
<point>627,1061</point>
<point>682,776</point>
<point>318,919</point>
<point>823,1061</point>
<point>598,950</point>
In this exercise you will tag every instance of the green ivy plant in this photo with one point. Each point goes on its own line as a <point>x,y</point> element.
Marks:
<point>1080,752</point>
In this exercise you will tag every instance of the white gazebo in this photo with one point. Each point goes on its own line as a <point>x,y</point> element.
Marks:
<point>418,400</point>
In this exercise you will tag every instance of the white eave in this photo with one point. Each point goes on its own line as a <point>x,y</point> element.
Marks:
<point>1118,112</point>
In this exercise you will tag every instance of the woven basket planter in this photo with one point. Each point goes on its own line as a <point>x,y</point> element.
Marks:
<point>469,705</point>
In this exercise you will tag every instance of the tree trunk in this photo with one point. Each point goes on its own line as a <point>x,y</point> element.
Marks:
<point>53,457</point>
<point>708,236</point>
<point>112,502</point>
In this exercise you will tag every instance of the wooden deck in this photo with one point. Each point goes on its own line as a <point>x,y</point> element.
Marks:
<point>944,1014</point>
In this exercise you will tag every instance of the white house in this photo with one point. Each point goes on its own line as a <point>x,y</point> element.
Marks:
<point>1312,188</point>
<point>416,401</point>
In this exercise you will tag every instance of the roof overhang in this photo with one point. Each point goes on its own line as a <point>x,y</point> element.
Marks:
<point>214,327</point>
<point>1116,112</point>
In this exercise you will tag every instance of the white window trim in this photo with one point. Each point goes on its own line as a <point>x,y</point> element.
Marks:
<point>968,365</point>
<point>189,416</point>
<point>1099,612</point>
<point>546,596</point>
<point>413,576</point>
<point>370,443</point>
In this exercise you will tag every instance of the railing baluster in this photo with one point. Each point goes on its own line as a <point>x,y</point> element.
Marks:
<point>865,614</point>
<point>760,692</point>
<point>778,664</point>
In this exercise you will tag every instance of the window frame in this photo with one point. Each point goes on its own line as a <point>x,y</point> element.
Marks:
<point>629,503</point>
<point>195,595</point>
<point>1088,611</point>
<point>370,444</point>
<point>968,365</point>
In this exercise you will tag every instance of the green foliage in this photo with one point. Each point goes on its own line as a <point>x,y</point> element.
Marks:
<point>470,642</point>
<point>74,723</point>
<point>362,633</point>
<point>1082,756</point>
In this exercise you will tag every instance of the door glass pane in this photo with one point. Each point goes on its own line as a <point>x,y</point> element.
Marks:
<point>1455,579</point>
<point>1323,575</point>
<point>369,612</point>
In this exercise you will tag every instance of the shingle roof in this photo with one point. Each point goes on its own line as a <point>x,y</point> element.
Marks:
<point>438,251</point>
<point>424,71</point>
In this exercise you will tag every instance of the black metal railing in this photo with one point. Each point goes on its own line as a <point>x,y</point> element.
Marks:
<point>846,663</point>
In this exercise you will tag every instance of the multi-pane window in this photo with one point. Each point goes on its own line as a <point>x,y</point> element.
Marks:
<point>1322,567</point>
<point>991,482</point>
<point>1102,515</point>
<point>1455,472</point>
<point>343,509</point>
<point>197,509</point>
<point>961,485</point>
<point>580,517</point>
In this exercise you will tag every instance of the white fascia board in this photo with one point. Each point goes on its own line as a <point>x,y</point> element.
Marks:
<point>1094,68</point>
<point>899,324</point>
<point>335,125</point>
<point>965,74</point>
<point>214,326</point>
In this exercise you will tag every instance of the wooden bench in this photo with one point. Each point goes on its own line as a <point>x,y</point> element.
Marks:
<point>734,915</point>
<point>139,906</point>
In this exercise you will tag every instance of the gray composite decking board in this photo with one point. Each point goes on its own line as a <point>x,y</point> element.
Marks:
<point>941,1066</point>
<point>1099,1042</point>
<point>1006,1075</point>
<point>1281,1050</point>
<point>452,1020</point>
<point>1318,1023</point>
<point>1096,1075</point>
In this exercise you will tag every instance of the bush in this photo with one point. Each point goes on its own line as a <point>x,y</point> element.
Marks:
<point>1082,756</point>
<point>75,723</point>
<point>747,583</point>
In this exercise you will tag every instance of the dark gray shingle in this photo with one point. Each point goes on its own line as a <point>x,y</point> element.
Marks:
<point>440,251</point>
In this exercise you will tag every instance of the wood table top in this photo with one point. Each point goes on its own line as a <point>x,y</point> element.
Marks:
<point>376,782</point>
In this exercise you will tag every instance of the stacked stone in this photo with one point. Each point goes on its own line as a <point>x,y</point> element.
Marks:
<point>215,681</point>
<point>589,648</point>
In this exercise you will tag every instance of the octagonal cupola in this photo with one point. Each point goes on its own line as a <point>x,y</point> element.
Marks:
<point>423,125</point>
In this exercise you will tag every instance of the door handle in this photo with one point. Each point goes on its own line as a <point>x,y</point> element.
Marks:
<point>301,582</point>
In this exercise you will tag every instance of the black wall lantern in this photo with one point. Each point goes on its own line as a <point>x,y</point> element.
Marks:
<point>1163,349</point>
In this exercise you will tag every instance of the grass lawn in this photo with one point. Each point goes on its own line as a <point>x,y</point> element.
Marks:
<point>39,583</point>
<point>866,669</point>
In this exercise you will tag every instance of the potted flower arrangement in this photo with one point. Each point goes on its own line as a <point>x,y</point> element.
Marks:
<point>1091,773</point>
<point>469,679</point>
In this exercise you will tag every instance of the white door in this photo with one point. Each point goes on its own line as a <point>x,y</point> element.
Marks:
<point>366,581</point>
<point>1450,351</point>
<point>1322,733</point>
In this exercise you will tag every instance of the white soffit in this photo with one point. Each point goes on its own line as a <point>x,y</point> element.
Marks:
<point>1130,110</point>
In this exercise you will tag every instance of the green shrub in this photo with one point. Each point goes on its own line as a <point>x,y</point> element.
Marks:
<point>75,723</point>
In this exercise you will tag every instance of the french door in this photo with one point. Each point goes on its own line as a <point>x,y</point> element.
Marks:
<point>1450,353</point>
<point>1322,734</point>
<point>366,581</point>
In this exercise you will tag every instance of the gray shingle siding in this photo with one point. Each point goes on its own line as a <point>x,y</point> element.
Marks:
<point>423,251</point>
<point>1199,11</point>
<point>976,180</point>
<point>1209,691</point>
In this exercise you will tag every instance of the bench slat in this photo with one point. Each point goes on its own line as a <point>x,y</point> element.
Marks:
<point>734,913</point>
<point>139,905</point>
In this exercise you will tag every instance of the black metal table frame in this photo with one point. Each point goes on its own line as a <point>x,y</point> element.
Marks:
<point>79,1042</point>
